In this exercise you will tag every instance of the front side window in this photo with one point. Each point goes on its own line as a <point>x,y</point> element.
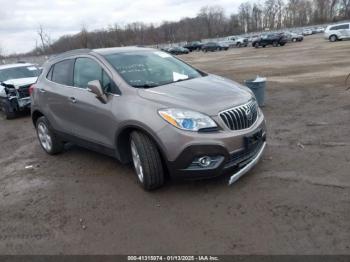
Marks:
<point>62,72</point>
<point>18,72</point>
<point>86,70</point>
<point>150,68</point>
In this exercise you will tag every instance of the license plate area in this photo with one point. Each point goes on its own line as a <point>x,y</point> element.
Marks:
<point>252,140</point>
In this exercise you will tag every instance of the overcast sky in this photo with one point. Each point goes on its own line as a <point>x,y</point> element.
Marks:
<point>19,19</point>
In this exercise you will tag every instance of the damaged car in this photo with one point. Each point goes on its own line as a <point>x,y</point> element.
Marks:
<point>15,82</point>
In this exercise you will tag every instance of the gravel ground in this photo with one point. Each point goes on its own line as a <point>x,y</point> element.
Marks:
<point>296,201</point>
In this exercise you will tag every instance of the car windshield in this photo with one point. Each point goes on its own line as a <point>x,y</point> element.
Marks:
<point>18,72</point>
<point>150,68</point>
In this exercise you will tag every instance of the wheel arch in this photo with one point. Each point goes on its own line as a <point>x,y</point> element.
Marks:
<point>333,35</point>
<point>36,114</point>
<point>122,139</point>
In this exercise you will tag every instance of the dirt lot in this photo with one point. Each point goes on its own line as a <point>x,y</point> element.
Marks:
<point>296,201</point>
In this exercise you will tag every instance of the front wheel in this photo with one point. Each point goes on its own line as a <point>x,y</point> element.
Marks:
<point>333,38</point>
<point>8,114</point>
<point>256,45</point>
<point>147,161</point>
<point>275,43</point>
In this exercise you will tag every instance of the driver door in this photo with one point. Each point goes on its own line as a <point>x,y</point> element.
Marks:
<point>94,120</point>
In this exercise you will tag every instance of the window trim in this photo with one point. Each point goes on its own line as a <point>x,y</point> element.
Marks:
<point>119,93</point>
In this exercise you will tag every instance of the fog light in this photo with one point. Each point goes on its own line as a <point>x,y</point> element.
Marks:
<point>204,161</point>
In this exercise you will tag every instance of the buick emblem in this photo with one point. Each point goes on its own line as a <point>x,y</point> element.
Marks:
<point>248,113</point>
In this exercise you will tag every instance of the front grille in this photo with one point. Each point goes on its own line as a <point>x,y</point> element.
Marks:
<point>240,157</point>
<point>241,117</point>
<point>23,91</point>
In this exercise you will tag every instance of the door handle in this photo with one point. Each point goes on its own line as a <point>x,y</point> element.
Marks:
<point>42,90</point>
<point>72,99</point>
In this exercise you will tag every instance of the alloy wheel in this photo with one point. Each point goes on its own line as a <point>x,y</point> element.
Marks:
<point>137,161</point>
<point>44,137</point>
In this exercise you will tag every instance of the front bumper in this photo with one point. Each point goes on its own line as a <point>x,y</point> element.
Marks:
<point>233,154</point>
<point>236,163</point>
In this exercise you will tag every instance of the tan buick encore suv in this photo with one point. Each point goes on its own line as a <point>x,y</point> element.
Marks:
<point>145,106</point>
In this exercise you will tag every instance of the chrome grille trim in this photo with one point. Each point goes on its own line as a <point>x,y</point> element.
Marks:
<point>240,117</point>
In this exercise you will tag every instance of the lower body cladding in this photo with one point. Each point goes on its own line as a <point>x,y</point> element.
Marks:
<point>208,161</point>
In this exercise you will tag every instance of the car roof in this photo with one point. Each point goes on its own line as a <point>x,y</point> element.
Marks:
<point>114,50</point>
<point>14,65</point>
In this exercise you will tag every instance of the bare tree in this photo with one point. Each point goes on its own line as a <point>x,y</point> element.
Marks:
<point>45,39</point>
<point>210,22</point>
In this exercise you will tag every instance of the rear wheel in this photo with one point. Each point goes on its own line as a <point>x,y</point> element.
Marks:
<point>333,38</point>
<point>275,43</point>
<point>47,138</point>
<point>238,44</point>
<point>147,161</point>
<point>256,45</point>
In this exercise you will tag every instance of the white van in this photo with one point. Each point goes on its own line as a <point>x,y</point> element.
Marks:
<point>337,32</point>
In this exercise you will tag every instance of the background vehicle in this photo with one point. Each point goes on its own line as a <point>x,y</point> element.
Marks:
<point>214,46</point>
<point>15,80</point>
<point>148,107</point>
<point>178,50</point>
<point>194,46</point>
<point>337,32</point>
<point>307,32</point>
<point>270,39</point>
<point>294,37</point>
<point>237,41</point>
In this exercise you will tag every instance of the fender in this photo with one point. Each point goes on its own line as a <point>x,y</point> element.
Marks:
<point>122,145</point>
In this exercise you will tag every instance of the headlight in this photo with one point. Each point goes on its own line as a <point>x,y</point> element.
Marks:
<point>186,119</point>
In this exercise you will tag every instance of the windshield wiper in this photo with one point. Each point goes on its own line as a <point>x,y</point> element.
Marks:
<point>145,86</point>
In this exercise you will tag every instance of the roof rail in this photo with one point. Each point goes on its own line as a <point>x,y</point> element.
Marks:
<point>71,52</point>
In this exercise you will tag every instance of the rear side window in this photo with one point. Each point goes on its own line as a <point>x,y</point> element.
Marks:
<point>63,72</point>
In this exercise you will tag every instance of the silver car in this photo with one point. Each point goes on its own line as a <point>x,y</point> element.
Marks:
<point>147,107</point>
<point>337,32</point>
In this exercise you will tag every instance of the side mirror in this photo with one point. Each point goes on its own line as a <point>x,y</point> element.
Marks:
<point>96,88</point>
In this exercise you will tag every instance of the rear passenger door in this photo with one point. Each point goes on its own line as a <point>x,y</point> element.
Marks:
<point>56,93</point>
<point>94,121</point>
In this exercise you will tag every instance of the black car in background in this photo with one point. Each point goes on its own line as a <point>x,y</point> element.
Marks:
<point>193,46</point>
<point>214,46</point>
<point>178,50</point>
<point>270,39</point>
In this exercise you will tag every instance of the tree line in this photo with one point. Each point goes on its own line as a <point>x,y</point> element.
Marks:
<point>210,22</point>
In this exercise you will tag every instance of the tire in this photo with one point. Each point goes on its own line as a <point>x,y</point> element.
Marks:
<point>282,44</point>
<point>264,46</point>
<point>256,45</point>
<point>47,138</point>
<point>333,38</point>
<point>8,114</point>
<point>275,43</point>
<point>238,44</point>
<point>294,40</point>
<point>147,161</point>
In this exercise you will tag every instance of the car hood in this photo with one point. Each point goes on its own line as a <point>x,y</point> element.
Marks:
<point>210,94</point>
<point>20,82</point>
